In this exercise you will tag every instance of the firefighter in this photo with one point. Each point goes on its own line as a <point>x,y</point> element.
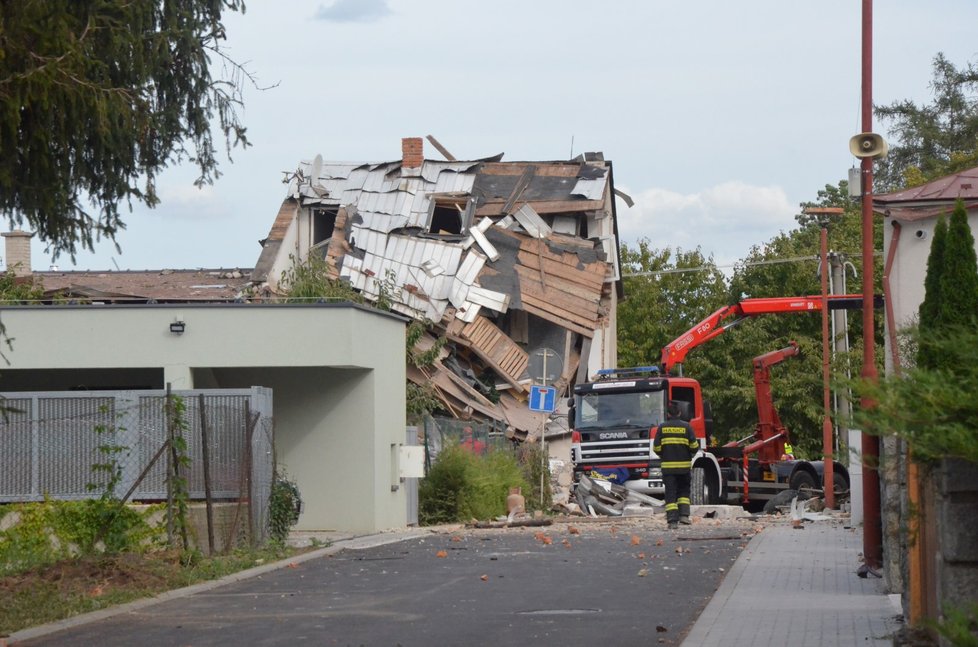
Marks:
<point>675,445</point>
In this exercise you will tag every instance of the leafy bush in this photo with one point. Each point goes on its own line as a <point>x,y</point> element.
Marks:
<point>535,464</point>
<point>462,486</point>
<point>934,409</point>
<point>284,507</point>
<point>43,533</point>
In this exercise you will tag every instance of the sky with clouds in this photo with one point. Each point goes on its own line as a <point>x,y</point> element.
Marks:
<point>719,117</point>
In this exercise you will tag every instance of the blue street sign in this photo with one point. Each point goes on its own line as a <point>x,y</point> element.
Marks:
<point>543,398</point>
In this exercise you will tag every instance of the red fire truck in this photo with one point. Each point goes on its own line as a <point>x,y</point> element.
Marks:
<point>614,416</point>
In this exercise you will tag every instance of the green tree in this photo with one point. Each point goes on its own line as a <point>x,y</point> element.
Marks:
<point>950,289</point>
<point>936,139</point>
<point>666,292</point>
<point>787,265</point>
<point>929,310</point>
<point>958,303</point>
<point>97,97</point>
<point>933,408</point>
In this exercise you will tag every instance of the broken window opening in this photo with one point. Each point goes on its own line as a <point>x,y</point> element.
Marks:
<point>450,215</point>
<point>323,223</point>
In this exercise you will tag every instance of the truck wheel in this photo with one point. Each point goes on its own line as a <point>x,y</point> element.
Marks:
<point>802,481</point>
<point>698,494</point>
<point>841,485</point>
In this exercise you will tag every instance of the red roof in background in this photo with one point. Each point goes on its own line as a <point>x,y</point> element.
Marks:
<point>932,199</point>
<point>949,188</point>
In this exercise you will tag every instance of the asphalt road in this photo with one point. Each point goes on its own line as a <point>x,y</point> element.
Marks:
<point>625,582</point>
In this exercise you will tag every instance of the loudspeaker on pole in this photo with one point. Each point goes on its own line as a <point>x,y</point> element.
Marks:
<point>868,145</point>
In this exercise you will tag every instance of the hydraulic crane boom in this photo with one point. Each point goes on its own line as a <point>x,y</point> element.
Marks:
<point>712,326</point>
<point>770,435</point>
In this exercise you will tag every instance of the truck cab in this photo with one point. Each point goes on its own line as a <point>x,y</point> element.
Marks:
<point>613,419</point>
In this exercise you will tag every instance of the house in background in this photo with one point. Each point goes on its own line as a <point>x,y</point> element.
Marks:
<point>942,559</point>
<point>515,263</point>
<point>339,408</point>
<point>909,217</point>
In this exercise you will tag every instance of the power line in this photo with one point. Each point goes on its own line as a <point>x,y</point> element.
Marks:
<point>704,268</point>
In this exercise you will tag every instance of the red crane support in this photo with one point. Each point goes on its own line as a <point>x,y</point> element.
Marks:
<point>712,326</point>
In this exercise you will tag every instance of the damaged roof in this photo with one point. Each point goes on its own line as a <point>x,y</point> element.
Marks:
<point>498,255</point>
<point>160,286</point>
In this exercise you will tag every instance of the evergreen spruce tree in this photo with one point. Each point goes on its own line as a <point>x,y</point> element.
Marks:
<point>959,278</point>
<point>98,97</point>
<point>928,314</point>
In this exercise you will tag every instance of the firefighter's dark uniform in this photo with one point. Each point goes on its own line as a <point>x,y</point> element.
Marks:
<point>675,444</point>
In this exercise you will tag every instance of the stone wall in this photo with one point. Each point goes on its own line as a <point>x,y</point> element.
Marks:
<point>957,528</point>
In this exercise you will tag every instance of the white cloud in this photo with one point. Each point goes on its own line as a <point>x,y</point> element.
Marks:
<point>353,11</point>
<point>723,220</point>
<point>181,200</point>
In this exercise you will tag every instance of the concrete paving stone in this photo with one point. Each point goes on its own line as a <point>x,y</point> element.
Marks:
<point>798,587</point>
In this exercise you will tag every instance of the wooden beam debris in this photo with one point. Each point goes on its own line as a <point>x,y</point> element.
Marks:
<point>441,149</point>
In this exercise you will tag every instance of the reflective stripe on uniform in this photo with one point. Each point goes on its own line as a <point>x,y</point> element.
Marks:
<point>670,465</point>
<point>679,441</point>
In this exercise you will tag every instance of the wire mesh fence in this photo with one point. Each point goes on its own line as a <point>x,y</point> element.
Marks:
<point>477,437</point>
<point>68,445</point>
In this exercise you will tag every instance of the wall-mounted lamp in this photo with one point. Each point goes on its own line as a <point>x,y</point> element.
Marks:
<point>177,326</point>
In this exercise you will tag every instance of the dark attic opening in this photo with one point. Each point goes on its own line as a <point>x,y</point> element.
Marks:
<point>449,215</point>
<point>323,222</point>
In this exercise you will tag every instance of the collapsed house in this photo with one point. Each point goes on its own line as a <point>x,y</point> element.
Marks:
<point>516,264</point>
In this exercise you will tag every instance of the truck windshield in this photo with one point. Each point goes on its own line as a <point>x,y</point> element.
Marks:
<point>620,409</point>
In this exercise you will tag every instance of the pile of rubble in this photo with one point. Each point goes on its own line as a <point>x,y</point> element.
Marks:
<point>593,497</point>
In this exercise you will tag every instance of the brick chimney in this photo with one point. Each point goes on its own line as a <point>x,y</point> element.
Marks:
<point>412,149</point>
<point>18,252</point>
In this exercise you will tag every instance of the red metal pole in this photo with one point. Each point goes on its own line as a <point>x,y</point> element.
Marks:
<point>828,473</point>
<point>872,528</point>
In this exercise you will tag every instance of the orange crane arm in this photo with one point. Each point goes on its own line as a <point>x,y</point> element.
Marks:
<point>675,352</point>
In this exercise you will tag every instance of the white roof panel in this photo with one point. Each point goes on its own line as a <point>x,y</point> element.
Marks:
<point>419,202</point>
<point>457,293</point>
<point>454,183</point>
<point>357,177</point>
<point>591,189</point>
<point>374,181</point>
<point>438,307</point>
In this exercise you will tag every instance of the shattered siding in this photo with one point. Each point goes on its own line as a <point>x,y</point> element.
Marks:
<point>515,250</point>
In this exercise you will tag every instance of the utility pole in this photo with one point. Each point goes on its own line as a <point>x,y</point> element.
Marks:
<point>872,526</point>
<point>840,337</point>
<point>825,215</point>
<point>828,473</point>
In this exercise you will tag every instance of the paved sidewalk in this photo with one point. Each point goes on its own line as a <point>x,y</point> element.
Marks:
<point>799,587</point>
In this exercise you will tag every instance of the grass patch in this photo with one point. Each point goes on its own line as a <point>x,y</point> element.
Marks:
<point>74,586</point>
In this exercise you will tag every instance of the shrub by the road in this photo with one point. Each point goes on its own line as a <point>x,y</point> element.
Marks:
<point>462,485</point>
